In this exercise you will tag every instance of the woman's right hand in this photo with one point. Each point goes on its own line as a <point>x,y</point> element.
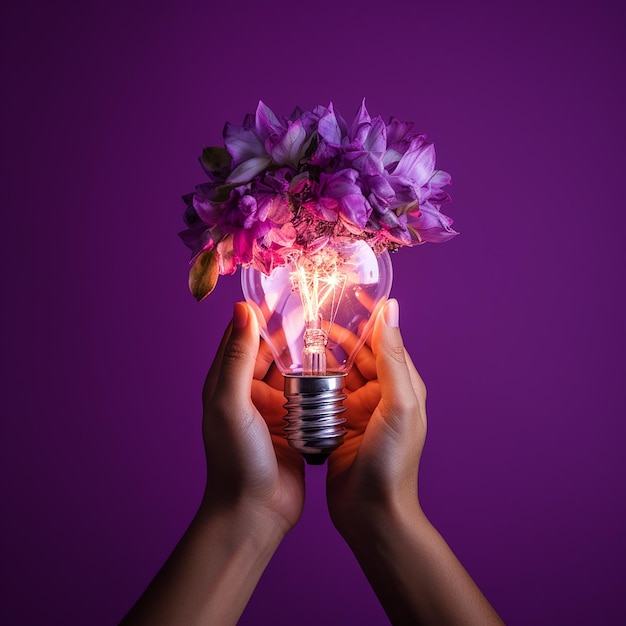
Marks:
<point>376,468</point>
<point>372,491</point>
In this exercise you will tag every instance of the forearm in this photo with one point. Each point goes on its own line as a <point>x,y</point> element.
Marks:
<point>212,573</point>
<point>415,574</point>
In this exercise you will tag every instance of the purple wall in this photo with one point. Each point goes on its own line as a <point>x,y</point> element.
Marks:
<point>517,325</point>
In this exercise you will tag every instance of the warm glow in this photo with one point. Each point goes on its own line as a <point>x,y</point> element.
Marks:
<point>321,285</point>
<point>318,279</point>
<point>304,305</point>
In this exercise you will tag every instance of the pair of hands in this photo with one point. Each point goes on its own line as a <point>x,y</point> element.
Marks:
<point>255,491</point>
<point>250,465</point>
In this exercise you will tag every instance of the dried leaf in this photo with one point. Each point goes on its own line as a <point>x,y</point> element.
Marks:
<point>407,208</point>
<point>204,274</point>
<point>415,236</point>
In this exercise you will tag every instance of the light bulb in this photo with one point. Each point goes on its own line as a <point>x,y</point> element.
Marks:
<point>315,312</point>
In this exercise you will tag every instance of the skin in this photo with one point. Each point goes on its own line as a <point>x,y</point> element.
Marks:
<point>373,496</point>
<point>255,490</point>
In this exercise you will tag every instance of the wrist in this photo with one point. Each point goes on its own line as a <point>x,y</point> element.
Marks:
<point>241,522</point>
<point>378,521</point>
<point>413,571</point>
<point>213,571</point>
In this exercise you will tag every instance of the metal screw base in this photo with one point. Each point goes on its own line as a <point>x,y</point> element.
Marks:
<point>314,407</point>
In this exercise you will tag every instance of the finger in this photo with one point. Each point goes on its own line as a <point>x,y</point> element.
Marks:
<point>270,404</point>
<point>238,360</point>
<point>355,380</point>
<point>374,315</point>
<point>349,341</point>
<point>418,386</point>
<point>274,378</point>
<point>343,337</point>
<point>366,362</point>
<point>214,371</point>
<point>264,361</point>
<point>394,375</point>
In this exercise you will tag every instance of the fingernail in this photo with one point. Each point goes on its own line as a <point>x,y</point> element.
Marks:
<point>392,313</point>
<point>240,315</point>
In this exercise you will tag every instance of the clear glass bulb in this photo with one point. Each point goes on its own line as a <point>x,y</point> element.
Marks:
<point>315,313</point>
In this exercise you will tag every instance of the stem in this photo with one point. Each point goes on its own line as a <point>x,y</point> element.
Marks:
<point>314,351</point>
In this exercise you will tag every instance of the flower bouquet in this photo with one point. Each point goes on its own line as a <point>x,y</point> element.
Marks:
<point>285,186</point>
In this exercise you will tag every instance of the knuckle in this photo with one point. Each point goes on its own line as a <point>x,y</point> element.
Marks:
<point>407,404</point>
<point>220,405</point>
<point>236,351</point>
<point>397,353</point>
<point>403,405</point>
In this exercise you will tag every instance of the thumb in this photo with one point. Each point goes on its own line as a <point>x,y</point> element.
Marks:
<point>239,357</point>
<point>394,376</point>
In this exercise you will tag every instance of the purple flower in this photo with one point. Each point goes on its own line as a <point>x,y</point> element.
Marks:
<point>430,224</point>
<point>331,130</point>
<point>340,192</point>
<point>379,191</point>
<point>254,146</point>
<point>285,184</point>
<point>433,189</point>
<point>399,138</point>
<point>366,143</point>
<point>412,171</point>
<point>247,150</point>
<point>197,238</point>
<point>288,146</point>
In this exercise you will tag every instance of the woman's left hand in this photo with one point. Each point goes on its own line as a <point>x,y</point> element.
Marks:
<point>249,462</point>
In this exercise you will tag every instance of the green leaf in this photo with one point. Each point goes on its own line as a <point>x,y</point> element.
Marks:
<point>217,160</point>
<point>204,274</point>
<point>222,193</point>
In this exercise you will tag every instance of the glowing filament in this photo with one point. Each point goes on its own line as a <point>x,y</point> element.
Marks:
<point>321,286</point>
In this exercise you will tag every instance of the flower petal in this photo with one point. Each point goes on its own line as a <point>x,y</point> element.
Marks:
<point>278,210</point>
<point>328,128</point>
<point>440,179</point>
<point>417,163</point>
<point>208,211</point>
<point>380,187</point>
<point>289,149</point>
<point>242,143</point>
<point>406,190</point>
<point>366,163</point>
<point>361,124</point>
<point>227,261</point>
<point>327,209</point>
<point>247,170</point>
<point>340,183</point>
<point>400,132</point>
<point>431,225</point>
<point>376,140</point>
<point>266,122</point>
<point>284,236</point>
<point>197,238</point>
<point>355,211</point>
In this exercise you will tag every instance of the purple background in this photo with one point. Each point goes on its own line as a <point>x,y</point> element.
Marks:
<point>517,325</point>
